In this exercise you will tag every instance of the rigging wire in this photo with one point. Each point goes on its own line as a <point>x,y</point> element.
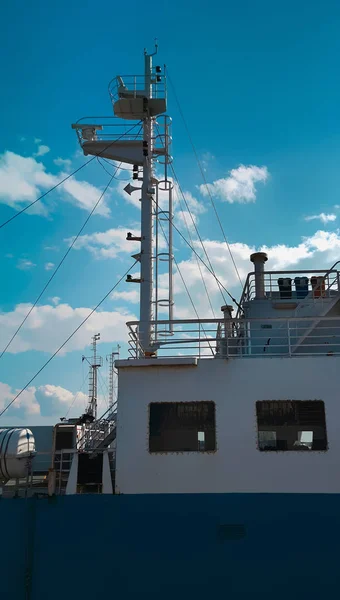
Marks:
<point>110,172</point>
<point>204,179</point>
<point>99,404</point>
<point>203,262</point>
<point>68,176</point>
<point>197,261</point>
<point>120,167</point>
<point>57,268</point>
<point>185,285</point>
<point>76,395</point>
<point>67,340</point>
<point>100,375</point>
<point>198,234</point>
<point>194,225</point>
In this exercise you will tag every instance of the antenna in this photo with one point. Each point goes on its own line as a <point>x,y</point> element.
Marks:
<point>96,362</point>
<point>112,373</point>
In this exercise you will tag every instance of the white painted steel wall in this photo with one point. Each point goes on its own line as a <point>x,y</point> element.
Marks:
<point>237,465</point>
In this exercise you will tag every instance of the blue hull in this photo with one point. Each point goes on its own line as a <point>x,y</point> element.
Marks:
<point>171,547</point>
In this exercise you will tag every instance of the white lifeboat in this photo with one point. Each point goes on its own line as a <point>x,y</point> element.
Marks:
<point>17,449</point>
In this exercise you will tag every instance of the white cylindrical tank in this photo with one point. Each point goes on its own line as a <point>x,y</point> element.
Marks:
<point>17,449</point>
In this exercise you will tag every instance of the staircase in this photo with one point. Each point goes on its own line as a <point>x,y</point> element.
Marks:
<point>101,433</point>
<point>318,303</point>
<point>106,441</point>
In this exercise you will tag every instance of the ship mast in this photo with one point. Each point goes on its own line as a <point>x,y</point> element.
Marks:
<point>112,373</point>
<point>142,100</point>
<point>147,200</point>
<point>96,362</point>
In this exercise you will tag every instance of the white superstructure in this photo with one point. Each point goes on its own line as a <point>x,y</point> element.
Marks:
<point>252,407</point>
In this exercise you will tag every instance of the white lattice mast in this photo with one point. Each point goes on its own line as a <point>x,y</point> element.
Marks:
<point>96,362</point>
<point>112,374</point>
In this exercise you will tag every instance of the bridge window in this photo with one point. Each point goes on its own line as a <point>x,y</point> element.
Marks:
<point>297,425</point>
<point>182,427</point>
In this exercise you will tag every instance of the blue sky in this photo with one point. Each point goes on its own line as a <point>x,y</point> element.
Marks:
<point>258,84</point>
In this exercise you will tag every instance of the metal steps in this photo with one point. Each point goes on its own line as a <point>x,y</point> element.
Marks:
<point>320,310</point>
<point>105,443</point>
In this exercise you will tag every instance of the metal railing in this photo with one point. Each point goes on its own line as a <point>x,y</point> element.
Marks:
<point>243,338</point>
<point>110,129</point>
<point>134,85</point>
<point>114,129</point>
<point>97,431</point>
<point>328,285</point>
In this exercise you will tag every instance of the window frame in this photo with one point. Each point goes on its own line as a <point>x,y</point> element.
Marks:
<point>298,426</point>
<point>190,402</point>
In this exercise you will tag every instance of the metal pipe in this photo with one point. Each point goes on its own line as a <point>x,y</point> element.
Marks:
<point>146,220</point>
<point>171,298</point>
<point>259,258</point>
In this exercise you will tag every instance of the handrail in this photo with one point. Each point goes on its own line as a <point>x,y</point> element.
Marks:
<point>243,337</point>
<point>221,320</point>
<point>92,426</point>
<point>268,274</point>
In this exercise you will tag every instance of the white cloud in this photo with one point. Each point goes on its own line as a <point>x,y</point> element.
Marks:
<point>42,150</point>
<point>49,266</point>
<point>63,162</point>
<point>239,186</point>
<point>196,207</point>
<point>206,158</point>
<point>23,179</point>
<point>325,242</point>
<point>37,140</point>
<point>43,401</point>
<point>318,251</point>
<point>189,220</point>
<point>25,265</point>
<point>113,242</point>
<point>26,400</point>
<point>131,296</point>
<point>324,218</point>
<point>48,326</point>
<point>84,195</point>
<point>55,300</point>
<point>6,394</point>
<point>56,400</point>
<point>107,244</point>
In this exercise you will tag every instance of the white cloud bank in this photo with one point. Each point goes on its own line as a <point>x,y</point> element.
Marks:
<point>318,251</point>
<point>324,218</point>
<point>49,325</point>
<point>23,179</point>
<point>63,162</point>
<point>107,244</point>
<point>44,401</point>
<point>239,186</point>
